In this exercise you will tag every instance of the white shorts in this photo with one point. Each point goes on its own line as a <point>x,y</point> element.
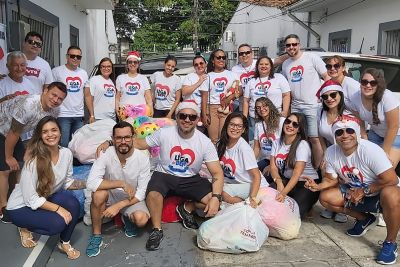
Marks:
<point>117,195</point>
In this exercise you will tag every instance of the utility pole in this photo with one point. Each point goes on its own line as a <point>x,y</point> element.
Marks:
<point>195,26</point>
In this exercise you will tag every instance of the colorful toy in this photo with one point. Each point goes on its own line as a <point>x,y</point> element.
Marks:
<point>121,113</point>
<point>163,122</point>
<point>231,91</point>
<point>154,151</point>
<point>136,111</point>
<point>137,122</point>
<point>146,129</point>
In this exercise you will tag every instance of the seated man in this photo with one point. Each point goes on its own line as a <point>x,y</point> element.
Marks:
<point>118,180</point>
<point>367,183</point>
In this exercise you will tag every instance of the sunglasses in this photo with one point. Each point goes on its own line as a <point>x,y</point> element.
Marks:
<point>78,57</point>
<point>340,132</point>
<point>221,57</point>
<point>241,54</point>
<point>331,95</point>
<point>294,124</point>
<point>366,82</point>
<point>183,116</point>
<point>133,62</point>
<point>334,66</point>
<point>199,64</point>
<point>35,43</point>
<point>291,44</point>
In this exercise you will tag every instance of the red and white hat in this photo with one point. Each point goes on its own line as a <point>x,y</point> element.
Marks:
<point>347,121</point>
<point>329,85</point>
<point>188,104</point>
<point>133,55</point>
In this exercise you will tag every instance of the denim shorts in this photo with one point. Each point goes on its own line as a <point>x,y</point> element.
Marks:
<point>374,138</point>
<point>310,112</point>
<point>368,204</point>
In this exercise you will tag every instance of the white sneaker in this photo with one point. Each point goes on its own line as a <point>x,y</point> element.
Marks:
<point>87,220</point>
<point>381,221</point>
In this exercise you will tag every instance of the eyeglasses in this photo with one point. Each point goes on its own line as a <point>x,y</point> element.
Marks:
<point>221,57</point>
<point>35,43</point>
<point>183,116</point>
<point>291,44</point>
<point>78,57</point>
<point>235,126</point>
<point>241,54</point>
<point>198,64</point>
<point>331,95</point>
<point>340,132</point>
<point>294,123</point>
<point>366,82</point>
<point>133,62</point>
<point>127,138</point>
<point>105,67</point>
<point>335,66</point>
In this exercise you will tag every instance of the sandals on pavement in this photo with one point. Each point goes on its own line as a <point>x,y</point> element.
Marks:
<point>69,250</point>
<point>26,238</point>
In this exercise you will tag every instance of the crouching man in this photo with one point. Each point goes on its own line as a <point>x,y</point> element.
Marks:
<point>360,179</point>
<point>118,180</point>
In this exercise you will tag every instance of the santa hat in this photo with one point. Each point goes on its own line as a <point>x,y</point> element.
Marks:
<point>347,121</point>
<point>188,104</point>
<point>133,55</point>
<point>329,85</point>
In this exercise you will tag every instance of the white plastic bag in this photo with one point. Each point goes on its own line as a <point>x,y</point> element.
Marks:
<point>236,229</point>
<point>86,140</point>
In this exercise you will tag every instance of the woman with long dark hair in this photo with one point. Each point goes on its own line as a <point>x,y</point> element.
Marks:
<point>290,160</point>
<point>242,177</point>
<point>219,84</point>
<point>100,94</point>
<point>38,203</point>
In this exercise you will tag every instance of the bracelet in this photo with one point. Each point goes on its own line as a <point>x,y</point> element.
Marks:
<point>110,142</point>
<point>57,208</point>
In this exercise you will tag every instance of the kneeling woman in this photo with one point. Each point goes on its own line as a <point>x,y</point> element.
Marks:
<point>290,161</point>
<point>242,176</point>
<point>38,203</point>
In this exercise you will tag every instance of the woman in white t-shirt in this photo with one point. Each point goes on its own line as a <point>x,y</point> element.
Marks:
<point>220,82</point>
<point>267,129</point>
<point>39,202</point>
<point>290,161</point>
<point>193,81</point>
<point>380,108</point>
<point>268,84</point>
<point>242,176</point>
<point>167,89</point>
<point>133,88</point>
<point>100,95</point>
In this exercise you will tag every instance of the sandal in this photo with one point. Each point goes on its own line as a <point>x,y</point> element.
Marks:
<point>26,238</point>
<point>70,251</point>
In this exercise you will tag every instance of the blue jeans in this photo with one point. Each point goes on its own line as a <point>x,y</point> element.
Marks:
<point>68,126</point>
<point>252,122</point>
<point>374,138</point>
<point>310,112</point>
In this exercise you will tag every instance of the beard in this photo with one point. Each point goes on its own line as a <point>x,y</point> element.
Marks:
<point>124,148</point>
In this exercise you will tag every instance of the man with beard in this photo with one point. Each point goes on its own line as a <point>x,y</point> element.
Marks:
<point>118,180</point>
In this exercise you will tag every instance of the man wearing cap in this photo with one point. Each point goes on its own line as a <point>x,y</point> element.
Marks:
<point>367,183</point>
<point>183,149</point>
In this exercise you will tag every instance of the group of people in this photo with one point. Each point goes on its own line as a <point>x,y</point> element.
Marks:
<point>335,140</point>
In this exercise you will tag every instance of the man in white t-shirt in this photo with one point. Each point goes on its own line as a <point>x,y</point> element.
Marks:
<point>118,180</point>
<point>303,71</point>
<point>360,179</point>
<point>19,115</point>
<point>71,111</point>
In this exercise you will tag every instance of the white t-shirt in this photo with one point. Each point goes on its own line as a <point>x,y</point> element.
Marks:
<point>389,102</point>
<point>9,86</point>
<point>245,74</point>
<point>237,161</point>
<point>38,71</point>
<point>266,140</point>
<point>165,89</point>
<point>24,193</point>
<point>303,153</point>
<point>26,109</point>
<point>369,159</point>
<point>303,75</point>
<point>103,92</point>
<point>219,83</point>
<point>136,172</point>
<point>132,89</point>
<point>271,88</point>
<point>324,128</point>
<point>76,81</point>
<point>350,87</point>
<point>191,79</point>
<point>181,157</point>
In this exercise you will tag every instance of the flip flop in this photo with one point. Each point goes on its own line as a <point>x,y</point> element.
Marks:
<point>26,238</point>
<point>70,251</point>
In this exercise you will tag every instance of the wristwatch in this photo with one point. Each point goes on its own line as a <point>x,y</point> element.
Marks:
<point>367,190</point>
<point>218,196</point>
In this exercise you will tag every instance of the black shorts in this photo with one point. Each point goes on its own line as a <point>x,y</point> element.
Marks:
<point>192,188</point>
<point>19,151</point>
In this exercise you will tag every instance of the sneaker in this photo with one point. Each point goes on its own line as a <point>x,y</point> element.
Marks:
<point>388,253</point>
<point>155,238</point>
<point>361,227</point>
<point>93,247</point>
<point>4,217</point>
<point>187,218</point>
<point>340,218</point>
<point>327,214</point>
<point>381,221</point>
<point>130,228</point>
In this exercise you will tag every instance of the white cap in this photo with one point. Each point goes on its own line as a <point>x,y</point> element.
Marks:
<point>188,104</point>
